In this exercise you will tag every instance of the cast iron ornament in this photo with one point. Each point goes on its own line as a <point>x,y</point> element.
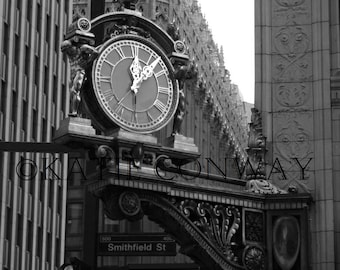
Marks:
<point>129,204</point>
<point>254,258</point>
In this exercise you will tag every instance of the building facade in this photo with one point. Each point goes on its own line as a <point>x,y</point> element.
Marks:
<point>297,92</point>
<point>33,98</point>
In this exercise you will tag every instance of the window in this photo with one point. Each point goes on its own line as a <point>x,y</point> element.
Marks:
<point>5,254</point>
<point>74,218</point>
<point>76,172</point>
<point>111,225</point>
<point>134,226</point>
<point>29,236</point>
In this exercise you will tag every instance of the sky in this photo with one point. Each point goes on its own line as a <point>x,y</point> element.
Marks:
<point>232,25</point>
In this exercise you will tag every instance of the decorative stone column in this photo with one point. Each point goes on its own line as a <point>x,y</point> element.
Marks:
<point>293,96</point>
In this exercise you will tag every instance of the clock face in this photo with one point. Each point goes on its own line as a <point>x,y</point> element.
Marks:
<point>134,84</point>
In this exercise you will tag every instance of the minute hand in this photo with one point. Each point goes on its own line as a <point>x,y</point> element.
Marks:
<point>148,70</point>
<point>145,74</point>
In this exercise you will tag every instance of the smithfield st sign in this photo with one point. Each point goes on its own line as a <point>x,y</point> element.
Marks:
<point>135,245</point>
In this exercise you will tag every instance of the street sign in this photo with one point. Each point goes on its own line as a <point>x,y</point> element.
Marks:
<point>135,245</point>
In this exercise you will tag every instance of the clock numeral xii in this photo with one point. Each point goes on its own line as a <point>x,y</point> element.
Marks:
<point>119,50</point>
<point>134,50</point>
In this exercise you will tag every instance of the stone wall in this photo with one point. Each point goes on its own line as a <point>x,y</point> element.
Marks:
<point>293,70</point>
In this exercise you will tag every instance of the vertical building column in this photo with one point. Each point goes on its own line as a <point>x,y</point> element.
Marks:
<point>335,90</point>
<point>335,41</point>
<point>292,91</point>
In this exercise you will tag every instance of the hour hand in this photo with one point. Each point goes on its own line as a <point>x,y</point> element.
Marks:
<point>145,74</point>
<point>135,68</point>
<point>136,83</point>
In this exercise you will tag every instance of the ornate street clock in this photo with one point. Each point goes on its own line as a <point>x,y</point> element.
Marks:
<point>133,84</point>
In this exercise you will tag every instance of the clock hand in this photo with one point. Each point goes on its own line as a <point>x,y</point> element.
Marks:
<point>148,70</point>
<point>135,67</point>
<point>146,73</point>
<point>136,84</point>
<point>134,102</point>
<point>121,100</point>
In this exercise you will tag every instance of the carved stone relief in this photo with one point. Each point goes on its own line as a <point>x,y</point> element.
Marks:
<point>290,3</point>
<point>292,96</point>
<point>292,74</point>
<point>293,141</point>
<point>293,152</point>
<point>254,258</point>
<point>292,62</point>
<point>290,11</point>
<point>253,226</point>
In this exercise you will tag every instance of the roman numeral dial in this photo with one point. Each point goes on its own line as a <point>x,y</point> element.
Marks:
<point>134,84</point>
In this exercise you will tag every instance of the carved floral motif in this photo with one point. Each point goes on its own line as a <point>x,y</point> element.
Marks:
<point>292,73</point>
<point>292,95</point>
<point>292,44</point>
<point>292,12</point>
<point>293,141</point>
<point>263,187</point>
<point>254,226</point>
<point>254,258</point>
<point>291,41</point>
<point>289,3</point>
<point>129,203</point>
